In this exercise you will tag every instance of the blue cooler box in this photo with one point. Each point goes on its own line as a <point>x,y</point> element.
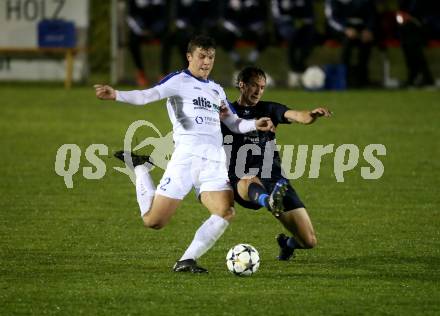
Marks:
<point>56,33</point>
<point>335,77</point>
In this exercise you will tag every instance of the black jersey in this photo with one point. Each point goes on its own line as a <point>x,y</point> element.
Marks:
<point>264,140</point>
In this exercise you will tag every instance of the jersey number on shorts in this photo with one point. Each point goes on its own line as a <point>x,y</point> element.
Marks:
<point>166,181</point>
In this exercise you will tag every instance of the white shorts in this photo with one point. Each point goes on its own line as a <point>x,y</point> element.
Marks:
<point>186,170</point>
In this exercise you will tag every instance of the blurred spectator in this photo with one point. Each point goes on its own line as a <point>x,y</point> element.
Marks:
<point>189,17</point>
<point>418,20</point>
<point>245,20</point>
<point>353,22</point>
<point>294,23</point>
<point>146,20</point>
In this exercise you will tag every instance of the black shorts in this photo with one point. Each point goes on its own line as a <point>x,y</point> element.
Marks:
<point>291,200</point>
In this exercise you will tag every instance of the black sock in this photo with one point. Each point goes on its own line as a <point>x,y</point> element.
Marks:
<point>258,194</point>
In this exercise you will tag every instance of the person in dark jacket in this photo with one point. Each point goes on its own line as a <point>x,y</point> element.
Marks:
<point>294,22</point>
<point>418,20</point>
<point>353,22</point>
<point>146,20</point>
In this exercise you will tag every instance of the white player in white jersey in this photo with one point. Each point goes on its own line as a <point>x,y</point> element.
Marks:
<point>194,104</point>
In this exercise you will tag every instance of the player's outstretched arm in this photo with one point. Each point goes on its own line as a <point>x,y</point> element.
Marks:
<point>105,92</point>
<point>136,97</point>
<point>306,117</point>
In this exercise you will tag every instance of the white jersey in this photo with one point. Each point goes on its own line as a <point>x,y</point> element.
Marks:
<point>194,109</point>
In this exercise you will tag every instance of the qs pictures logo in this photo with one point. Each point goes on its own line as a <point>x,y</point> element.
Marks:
<point>68,156</point>
<point>346,157</point>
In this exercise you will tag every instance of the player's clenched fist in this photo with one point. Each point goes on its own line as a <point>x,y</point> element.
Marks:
<point>105,92</point>
<point>265,124</point>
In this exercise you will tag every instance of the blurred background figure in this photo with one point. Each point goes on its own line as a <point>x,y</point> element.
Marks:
<point>188,17</point>
<point>244,20</point>
<point>353,23</point>
<point>147,20</point>
<point>294,23</point>
<point>418,20</point>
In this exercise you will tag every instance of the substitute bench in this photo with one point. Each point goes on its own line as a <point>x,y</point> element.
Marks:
<point>67,53</point>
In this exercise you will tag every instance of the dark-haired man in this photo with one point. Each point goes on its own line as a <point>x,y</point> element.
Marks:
<point>198,160</point>
<point>251,189</point>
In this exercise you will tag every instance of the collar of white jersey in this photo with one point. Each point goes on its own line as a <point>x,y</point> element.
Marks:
<point>190,74</point>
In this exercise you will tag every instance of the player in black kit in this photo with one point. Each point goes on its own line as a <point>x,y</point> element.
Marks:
<point>263,164</point>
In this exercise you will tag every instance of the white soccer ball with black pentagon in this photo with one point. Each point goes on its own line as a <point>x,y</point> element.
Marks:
<point>243,260</point>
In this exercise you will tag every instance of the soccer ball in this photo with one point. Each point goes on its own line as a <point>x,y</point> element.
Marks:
<point>243,260</point>
<point>313,78</point>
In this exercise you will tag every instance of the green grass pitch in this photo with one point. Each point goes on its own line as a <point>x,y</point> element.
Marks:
<point>84,250</point>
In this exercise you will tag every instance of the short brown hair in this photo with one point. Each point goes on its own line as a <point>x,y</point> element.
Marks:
<point>201,41</point>
<point>249,72</point>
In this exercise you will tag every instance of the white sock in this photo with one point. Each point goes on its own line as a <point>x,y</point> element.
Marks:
<point>145,188</point>
<point>205,237</point>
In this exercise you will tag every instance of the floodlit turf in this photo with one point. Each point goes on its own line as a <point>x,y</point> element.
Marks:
<point>84,250</point>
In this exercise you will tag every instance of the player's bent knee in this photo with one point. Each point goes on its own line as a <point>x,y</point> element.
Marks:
<point>155,226</point>
<point>310,241</point>
<point>153,223</point>
<point>229,214</point>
